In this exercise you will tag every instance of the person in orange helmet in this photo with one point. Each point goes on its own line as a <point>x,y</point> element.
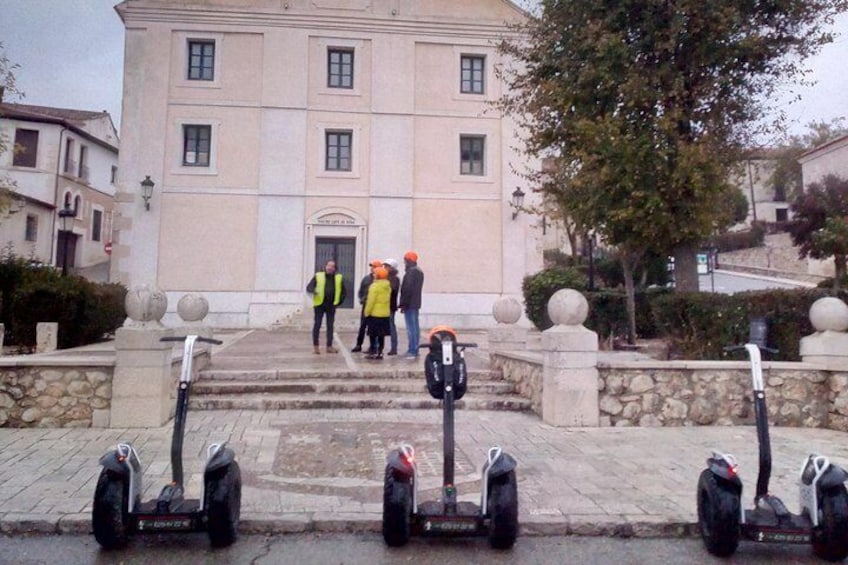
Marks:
<point>410,301</point>
<point>378,310</point>
<point>363,294</point>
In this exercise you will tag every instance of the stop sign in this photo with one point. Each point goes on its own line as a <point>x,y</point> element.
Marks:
<point>108,248</point>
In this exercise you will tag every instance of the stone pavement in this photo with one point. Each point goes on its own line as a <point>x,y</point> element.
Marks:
<point>321,470</point>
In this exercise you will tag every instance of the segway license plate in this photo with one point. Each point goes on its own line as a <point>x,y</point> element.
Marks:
<point>169,523</point>
<point>450,526</point>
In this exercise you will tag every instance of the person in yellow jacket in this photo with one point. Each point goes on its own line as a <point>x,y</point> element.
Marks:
<point>378,310</point>
<point>328,290</point>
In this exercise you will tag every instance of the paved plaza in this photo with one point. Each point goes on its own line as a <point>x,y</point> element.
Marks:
<point>322,469</point>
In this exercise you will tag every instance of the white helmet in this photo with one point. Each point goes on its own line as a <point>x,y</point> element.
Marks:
<point>391,263</point>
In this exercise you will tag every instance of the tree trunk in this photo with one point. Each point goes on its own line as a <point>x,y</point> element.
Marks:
<point>686,267</point>
<point>839,271</point>
<point>628,265</point>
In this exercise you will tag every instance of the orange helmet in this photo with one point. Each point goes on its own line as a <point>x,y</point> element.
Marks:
<point>381,273</point>
<point>411,255</point>
<point>376,263</point>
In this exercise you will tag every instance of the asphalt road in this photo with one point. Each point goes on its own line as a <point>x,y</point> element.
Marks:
<point>726,282</point>
<point>350,549</point>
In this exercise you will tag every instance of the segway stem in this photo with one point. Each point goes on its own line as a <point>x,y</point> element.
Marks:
<point>761,417</point>
<point>448,428</point>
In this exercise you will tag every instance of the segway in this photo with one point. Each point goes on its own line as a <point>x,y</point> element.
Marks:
<point>403,515</point>
<point>118,510</point>
<point>823,520</point>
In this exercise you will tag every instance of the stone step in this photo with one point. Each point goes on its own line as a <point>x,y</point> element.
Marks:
<point>284,374</point>
<point>354,402</point>
<point>338,386</point>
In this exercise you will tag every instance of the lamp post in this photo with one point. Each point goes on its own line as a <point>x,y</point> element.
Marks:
<point>147,191</point>
<point>517,201</point>
<point>66,215</point>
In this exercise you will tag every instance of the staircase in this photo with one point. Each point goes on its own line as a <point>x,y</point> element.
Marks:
<point>281,389</point>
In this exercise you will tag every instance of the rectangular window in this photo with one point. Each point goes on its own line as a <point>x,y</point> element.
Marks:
<point>114,176</point>
<point>339,145</point>
<point>472,149</point>
<point>96,224</point>
<point>83,163</point>
<point>196,145</point>
<point>31,227</point>
<point>340,68</point>
<point>26,148</point>
<point>201,60</point>
<point>472,78</point>
<point>70,164</point>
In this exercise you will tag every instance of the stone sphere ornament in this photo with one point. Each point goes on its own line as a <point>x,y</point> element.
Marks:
<point>568,307</point>
<point>145,304</point>
<point>506,310</point>
<point>829,313</point>
<point>193,307</point>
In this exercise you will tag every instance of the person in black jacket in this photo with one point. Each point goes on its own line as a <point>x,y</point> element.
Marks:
<point>392,266</point>
<point>328,290</point>
<point>363,323</point>
<point>410,301</point>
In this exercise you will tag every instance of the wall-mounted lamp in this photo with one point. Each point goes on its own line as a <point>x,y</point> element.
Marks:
<point>517,201</point>
<point>147,191</point>
<point>66,216</point>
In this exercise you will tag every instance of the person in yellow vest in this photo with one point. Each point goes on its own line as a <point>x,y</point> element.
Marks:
<point>377,311</point>
<point>328,290</point>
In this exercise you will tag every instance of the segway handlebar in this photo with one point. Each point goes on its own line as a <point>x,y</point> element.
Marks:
<point>731,348</point>
<point>197,338</point>
<point>459,345</point>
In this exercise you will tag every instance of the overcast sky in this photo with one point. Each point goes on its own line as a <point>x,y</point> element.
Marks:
<point>70,54</point>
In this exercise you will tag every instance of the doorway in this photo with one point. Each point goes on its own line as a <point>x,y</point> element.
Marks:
<point>342,250</point>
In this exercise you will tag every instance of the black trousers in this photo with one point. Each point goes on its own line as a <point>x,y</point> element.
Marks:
<point>320,310</point>
<point>360,337</point>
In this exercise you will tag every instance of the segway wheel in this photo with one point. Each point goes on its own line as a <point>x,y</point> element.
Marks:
<point>830,539</point>
<point>718,515</point>
<point>109,513</point>
<point>397,509</point>
<point>223,505</point>
<point>503,510</point>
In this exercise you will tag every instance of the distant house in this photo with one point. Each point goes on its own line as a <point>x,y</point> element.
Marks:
<point>767,201</point>
<point>828,159</point>
<point>283,134</point>
<point>61,159</point>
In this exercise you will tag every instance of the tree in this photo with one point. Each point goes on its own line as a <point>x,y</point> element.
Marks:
<point>820,224</point>
<point>645,104</point>
<point>8,88</point>
<point>786,177</point>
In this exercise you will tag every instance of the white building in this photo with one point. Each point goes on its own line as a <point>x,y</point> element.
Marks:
<point>61,158</point>
<point>282,133</point>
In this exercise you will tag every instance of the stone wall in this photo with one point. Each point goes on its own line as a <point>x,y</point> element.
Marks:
<point>777,257</point>
<point>524,373</point>
<point>697,393</point>
<point>55,397</point>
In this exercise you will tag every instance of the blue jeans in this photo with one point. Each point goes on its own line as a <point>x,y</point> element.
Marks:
<point>413,330</point>
<point>393,329</point>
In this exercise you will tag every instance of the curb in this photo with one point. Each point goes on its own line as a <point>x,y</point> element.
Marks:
<point>328,522</point>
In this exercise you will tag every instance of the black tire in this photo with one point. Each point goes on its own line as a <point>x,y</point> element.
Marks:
<point>109,514</point>
<point>718,514</point>
<point>830,539</point>
<point>503,511</point>
<point>223,504</point>
<point>397,509</point>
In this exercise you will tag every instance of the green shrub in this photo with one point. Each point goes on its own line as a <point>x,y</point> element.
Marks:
<point>608,312</point>
<point>31,293</point>
<point>700,325</point>
<point>539,288</point>
<point>733,241</point>
<point>652,272</point>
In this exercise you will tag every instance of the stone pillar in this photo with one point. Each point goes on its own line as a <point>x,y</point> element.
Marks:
<point>829,345</point>
<point>192,309</point>
<point>46,336</point>
<point>570,369</point>
<point>506,336</point>
<point>143,384</point>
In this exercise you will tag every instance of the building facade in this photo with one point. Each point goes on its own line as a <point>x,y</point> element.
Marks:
<point>59,158</point>
<point>282,134</point>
